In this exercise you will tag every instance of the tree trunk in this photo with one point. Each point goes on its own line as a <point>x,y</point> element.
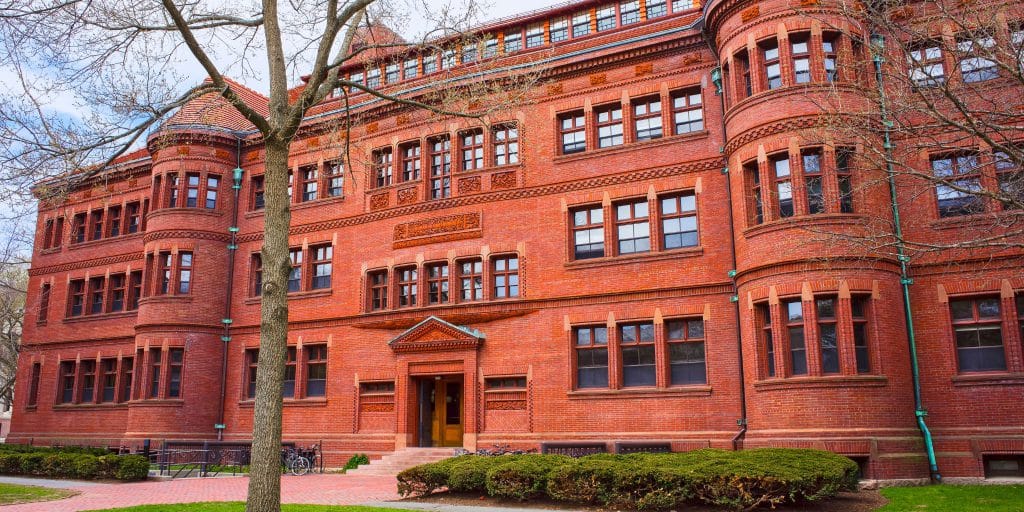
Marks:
<point>265,468</point>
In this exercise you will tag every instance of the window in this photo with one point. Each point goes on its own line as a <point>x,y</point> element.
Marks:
<point>288,388</point>
<point>408,286</point>
<point>373,77</point>
<point>114,221</point>
<point>574,132</point>
<point>828,336</point>
<point>109,380</point>
<point>295,274</point>
<point>647,118</point>
<point>382,166</point>
<point>1010,179</point>
<point>591,357</point>
<point>53,233</point>
<point>977,329</point>
<point>469,53</point>
<point>513,41</point>
<point>252,357</point>
<point>755,202</point>
<point>410,68</point>
<point>33,390</point>
<point>581,24</point>
<point>411,161</point>
<point>96,295</point>
<point>800,47</point>
<point>76,297</point>
<point>155,355</point>
<point>334,174</point>
<point>471,147</point>
<point>184,272</point>
<point>322,257</point>
<point>505,138</point>
<point>534,36</point>
<point>117,293</point>
<point>828,50</point>
<point>629,12</point>
<point>471,280</point>
<point>440,167</point>
<point>448,59</point>
<point>1017,44</point>
<point>316,370</point>
<point>633,227</point>
<point>681,5</point>
<point>609,126</point>
<point>977,61</point>
<point>765,318</point>
<point>378,290</point>
<point>795,333</point>
<point>429,64</point>
<point>559,30</point>
<point>308,183</point>
<point>134,289</point>
<point>356,78</point>
<point>96,223</point>
<point>679,221</point>
<point>437,283</point>
<point>172,190</point>
<point>637,347</point>
<point>813,181</point>
<point>291,182</point>
<point>44,304</point>
<point>687,111</point>
<point>959,182</point>
<point>605,18</point>
<point>133,218</point>
<point>1020,314</point>
<point>490,47</point>
<point>686,352</point>
<point>127,370</point>
<point>588,233</point>
<point>88,380</point>
<point>772,68</point>
<point>746,85</point>
<point>656,8</point>
<point>926,65</point>
<point>506,277</point>
<point>174,372</point>
<point>844,175</point>
<point>257,275</point>
<point>858,306</point>
<point>391,73</point>
<point>78,228</point>
<point>783,185</point>
<point>191,190</point>
<point>67,382</point>
<point>257,201</point>
<point>505,383</point>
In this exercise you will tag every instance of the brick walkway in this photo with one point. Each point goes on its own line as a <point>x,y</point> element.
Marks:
<point>316,489</point>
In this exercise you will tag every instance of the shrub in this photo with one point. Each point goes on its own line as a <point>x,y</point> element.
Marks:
<point>132,467</point>
<point>10,464</point>
<point>357,460</point>
<point>32,464</point>
<point>469,472</point>
<point>584,481</point>
<point>523,478</point>
<point>425,478</point>
<point>76,463</point>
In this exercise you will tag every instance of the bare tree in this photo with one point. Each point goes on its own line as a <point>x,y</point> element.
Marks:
<point>124,58</point>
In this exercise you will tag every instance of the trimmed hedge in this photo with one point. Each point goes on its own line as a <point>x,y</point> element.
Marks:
<point>79,463</point>
<point>357,460</point>
<point>731,479</point>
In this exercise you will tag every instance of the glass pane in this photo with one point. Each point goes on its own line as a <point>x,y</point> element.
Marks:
<point>988,308</point>
<point>961,309</point>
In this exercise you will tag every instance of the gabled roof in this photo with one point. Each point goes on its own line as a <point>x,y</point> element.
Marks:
<point>434,334</point>
<point>215,111</point>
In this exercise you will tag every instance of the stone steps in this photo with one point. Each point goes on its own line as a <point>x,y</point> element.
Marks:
<point>396,462</point>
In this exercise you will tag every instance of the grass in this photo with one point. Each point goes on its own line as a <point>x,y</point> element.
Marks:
<point>11,494</point>
<point>237,506</point>
<point>961,498</point>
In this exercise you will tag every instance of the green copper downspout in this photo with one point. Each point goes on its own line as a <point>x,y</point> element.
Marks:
<point>878,47</point>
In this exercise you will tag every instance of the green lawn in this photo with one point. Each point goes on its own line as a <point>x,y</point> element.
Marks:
<point>11,494</point>
<point>237,506</point>
<point>959,498</point>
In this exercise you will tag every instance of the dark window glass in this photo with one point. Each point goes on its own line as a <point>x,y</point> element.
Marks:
<point>795,331</point>
<point>632,226</point>
<point>959,185</point>
<point>860,334</point>
<point>828,334</point>
<point>408,286</point>
<point>591,357</point>
<point>686,352</point>
<point>637,348</point>
<point>440,167</point>
<point>295,274</point>
<point>573,129</point>
<point>437,283</point>
<point>977,327</point>
<point>609,126</point>
<point>316,370</point>
<point>322,257</point>
<point>588,233</point>
<point>813,182</point>
<point>378,290</point>
<point>679,221</point>
<point>288,389</point>
<point>506,277</point>
<point>471,281</point>
<point>647,119</point>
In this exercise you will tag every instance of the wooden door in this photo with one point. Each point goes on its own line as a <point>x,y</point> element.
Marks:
<point>448,415</point>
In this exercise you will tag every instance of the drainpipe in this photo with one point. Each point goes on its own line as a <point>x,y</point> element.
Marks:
<point>225,338</point>
<point>716,78</point>
<point>877,48</point>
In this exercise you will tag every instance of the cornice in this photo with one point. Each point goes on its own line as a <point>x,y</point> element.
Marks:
<point>185,233</point>
<point>767,130</point>
<point>79,264</point>
<point>773,270</point>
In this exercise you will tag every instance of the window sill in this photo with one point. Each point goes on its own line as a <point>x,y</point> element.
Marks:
<point>803,221</point>
<point>631,393</point>
<point>825,381</point>
<point>605,261</point>
<point>94,243</point>
<point>988,379</point>
<point>308,294</point>
<point>980,220</point>
<point>157,299</point>
<point>98,316</point>
<point>601,152</point>
<point>100,406</point>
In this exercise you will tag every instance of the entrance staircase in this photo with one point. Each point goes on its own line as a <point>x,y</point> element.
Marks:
<point>396,462</point>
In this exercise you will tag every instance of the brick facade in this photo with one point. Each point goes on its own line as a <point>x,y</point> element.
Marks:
<point>381,359</point>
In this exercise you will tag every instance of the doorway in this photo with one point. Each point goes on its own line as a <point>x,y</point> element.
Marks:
<point>440,411</point>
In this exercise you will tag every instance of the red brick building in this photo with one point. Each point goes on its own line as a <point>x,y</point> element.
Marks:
<point>599,264</point>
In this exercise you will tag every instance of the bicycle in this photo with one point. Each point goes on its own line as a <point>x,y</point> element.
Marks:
<point>294,462</point>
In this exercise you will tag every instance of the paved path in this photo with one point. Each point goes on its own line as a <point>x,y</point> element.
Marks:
<point>316,489</point>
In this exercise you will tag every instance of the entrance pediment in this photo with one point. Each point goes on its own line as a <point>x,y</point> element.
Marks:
<point>434,335</point>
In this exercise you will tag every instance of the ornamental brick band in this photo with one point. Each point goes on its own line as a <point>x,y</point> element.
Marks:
<point>439,229</point>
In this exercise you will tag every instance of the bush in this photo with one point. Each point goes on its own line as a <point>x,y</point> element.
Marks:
<point>646,482</point>
<point>523,478</point>
<point>71,463</point>
<point>132,467</point>
<point>356,461</point>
